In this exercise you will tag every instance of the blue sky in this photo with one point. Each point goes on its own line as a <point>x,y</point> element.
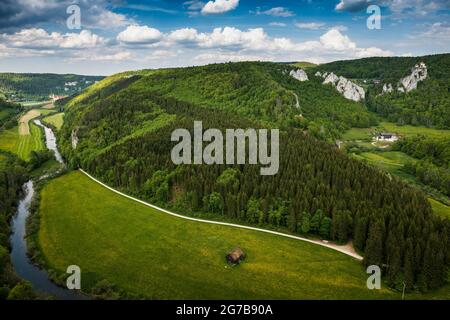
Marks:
<point>120,35</point>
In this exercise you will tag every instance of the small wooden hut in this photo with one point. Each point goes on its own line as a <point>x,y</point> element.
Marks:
<point>235,256</point>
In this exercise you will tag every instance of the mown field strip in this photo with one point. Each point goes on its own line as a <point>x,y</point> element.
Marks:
<point>24,128</point>
<point>327,245</point>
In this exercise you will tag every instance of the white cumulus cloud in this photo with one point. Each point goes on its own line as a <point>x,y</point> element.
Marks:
<point>220,6</point>
<point>140,35</point>
<point>39,38</point>
<point>335,40</point>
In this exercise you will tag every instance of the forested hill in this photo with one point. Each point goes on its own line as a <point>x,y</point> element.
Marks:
<point>387,69</point>
<point>38,86</point>
<point>427,105</point>
<point>260,91</point>
<point>120,131</point>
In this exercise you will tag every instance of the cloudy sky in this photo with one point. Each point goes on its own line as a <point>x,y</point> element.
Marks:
<point>120,35</point>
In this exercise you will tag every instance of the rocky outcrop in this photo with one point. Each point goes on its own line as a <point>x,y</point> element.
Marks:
<point>299,74</point>
<point>387,88</point>
<point>74,138</point>
<point>418,73</point>
<point>347,88</point>
<point>318,74</point>
<point>330,78</point>
<point>350,90</point>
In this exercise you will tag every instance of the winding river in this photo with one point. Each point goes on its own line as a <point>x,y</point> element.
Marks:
<point>22,264</point>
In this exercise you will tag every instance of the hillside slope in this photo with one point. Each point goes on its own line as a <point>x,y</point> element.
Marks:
<point>120,130</point>
<point>37,86</point>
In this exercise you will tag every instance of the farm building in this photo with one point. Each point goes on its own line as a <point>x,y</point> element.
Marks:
<point>386,136</point>
<point>235,256</point>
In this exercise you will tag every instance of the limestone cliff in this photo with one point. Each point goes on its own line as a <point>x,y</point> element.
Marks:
<point>299,74</point>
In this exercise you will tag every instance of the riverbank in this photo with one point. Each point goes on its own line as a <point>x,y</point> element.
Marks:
<point>24,264</point>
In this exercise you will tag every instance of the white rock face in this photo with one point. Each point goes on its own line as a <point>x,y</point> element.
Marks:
<point>347,88</point>
<point>299,74</point>
<point>74,138</point>
<point>318,74</point>
<point>350,90</point>
<point>330,78</point>
<point>387,88</point>
<point>418,73</point>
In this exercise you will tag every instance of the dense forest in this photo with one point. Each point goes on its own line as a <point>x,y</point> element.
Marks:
<point>8,114</point>
<point>124,139</point>
<point>428,105</point>
<point>13,174</point>
<point>38,86</point>
<point>387,69</point>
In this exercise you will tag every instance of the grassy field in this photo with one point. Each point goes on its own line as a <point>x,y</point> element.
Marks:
<point>304,64</point>
<point>439,208</point>
<point>408,131</point>
<point>358,134</point>
<point>365,134</point>
<point>26,137</point>
<point>391,161</point>
<point>34,104</point>
<point>152,254</point>
<point>22,145</point>
<point>56,120</point>
<point>145,251</point>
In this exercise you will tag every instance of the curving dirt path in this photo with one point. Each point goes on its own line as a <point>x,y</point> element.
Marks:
<point>345,249</point>
<point>24,127</point>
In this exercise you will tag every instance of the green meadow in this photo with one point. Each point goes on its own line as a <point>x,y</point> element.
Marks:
<point>366,134</point>
<point>390,161</point>
<point>439,208</point>
<point>55,119</point>
<point>408,131</point>
<point>34,104</point>
<point>358,134</point>
<point>152,254</point>
<point>22,145</point>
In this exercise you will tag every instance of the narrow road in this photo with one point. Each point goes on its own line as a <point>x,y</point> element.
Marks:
<point>345,249</point>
